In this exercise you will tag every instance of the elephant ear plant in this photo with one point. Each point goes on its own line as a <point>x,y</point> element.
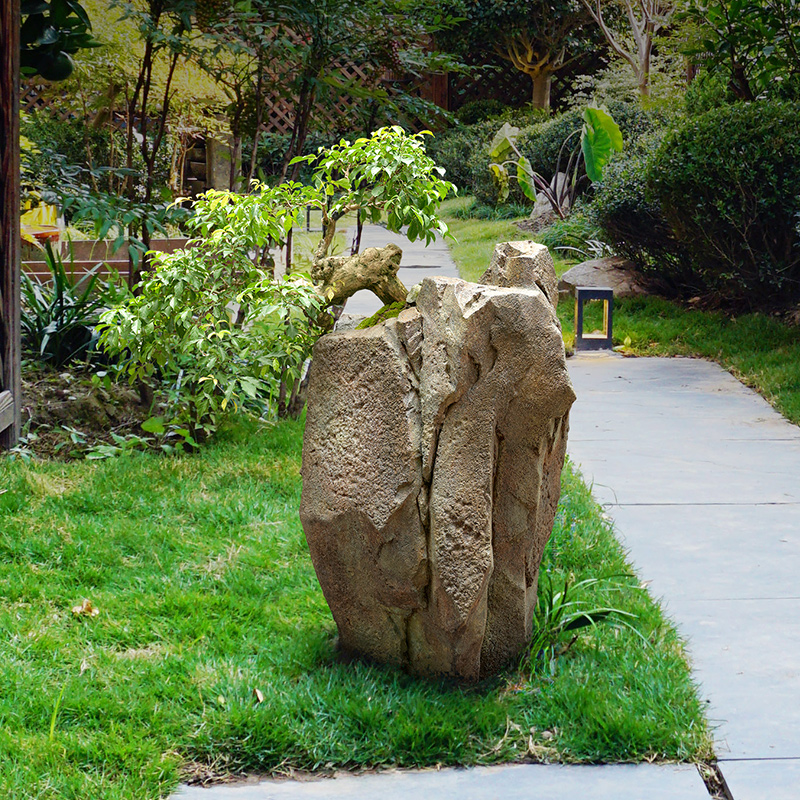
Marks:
<point>599,136</point>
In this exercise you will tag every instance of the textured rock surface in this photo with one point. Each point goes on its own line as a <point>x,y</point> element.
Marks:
<point>524,263</point>
<point>431,464</point>
<point>613,272</point>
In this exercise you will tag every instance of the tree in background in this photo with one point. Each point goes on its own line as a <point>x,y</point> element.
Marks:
<point>164,27</point>
<point>539,38</point>
<point>322,35</point>
<point>631,30</point>
<point>756,43</point>
<point>245,49</point>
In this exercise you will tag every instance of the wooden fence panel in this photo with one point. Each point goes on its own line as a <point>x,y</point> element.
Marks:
<point>10,382</point>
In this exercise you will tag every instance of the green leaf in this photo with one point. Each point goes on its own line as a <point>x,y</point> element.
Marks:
<point>504,142</point>
<point>500,175</point>
<point>154,425</point>
<point>600,138</point>
<point>525,178</point>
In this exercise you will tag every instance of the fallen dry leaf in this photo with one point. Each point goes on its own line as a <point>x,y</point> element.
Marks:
<point>259,695</point>
<point>85,609</point>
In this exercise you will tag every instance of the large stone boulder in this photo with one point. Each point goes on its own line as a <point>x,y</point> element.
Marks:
<point>612,272</point>
<point>432,457</point>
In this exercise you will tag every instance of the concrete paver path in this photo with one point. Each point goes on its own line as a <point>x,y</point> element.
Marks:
<point>418,262</point>
<point>702,478</point>
<point>518,782</point>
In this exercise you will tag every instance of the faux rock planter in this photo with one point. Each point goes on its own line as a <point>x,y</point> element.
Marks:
<point>432,458</point>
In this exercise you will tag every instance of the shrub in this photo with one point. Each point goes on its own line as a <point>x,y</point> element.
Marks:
<point>454,149</point>
<point>72,139</point>
<point>479,110</point>
<point>727,184</point>
<point>209,321</point>
<point>708,90</point>
<point>184,328</point>
<point>634,223</point>
<point>82,146</point>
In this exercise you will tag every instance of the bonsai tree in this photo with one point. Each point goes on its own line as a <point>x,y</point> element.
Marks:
<point>387,174</point>
<point>216,328</point>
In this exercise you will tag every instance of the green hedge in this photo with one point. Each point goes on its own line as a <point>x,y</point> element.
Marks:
<point>83,146</point>
<point>728,184</point>
<point>634,223</point>
<point>454,149</point>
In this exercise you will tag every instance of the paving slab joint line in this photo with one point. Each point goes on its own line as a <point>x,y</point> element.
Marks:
<point>701,505</point>
<point>759,759</point>
<point>715,781</point>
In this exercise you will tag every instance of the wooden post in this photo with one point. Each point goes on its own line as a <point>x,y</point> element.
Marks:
<point>10,382</point>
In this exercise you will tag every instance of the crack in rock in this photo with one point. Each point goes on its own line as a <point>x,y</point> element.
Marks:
<point>432,457</point>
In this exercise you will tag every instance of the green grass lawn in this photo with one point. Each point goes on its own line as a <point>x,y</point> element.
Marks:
<point>760,350</point>
<point>213,648</point>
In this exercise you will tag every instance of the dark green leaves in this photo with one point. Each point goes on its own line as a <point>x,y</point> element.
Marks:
<point>52,31</point>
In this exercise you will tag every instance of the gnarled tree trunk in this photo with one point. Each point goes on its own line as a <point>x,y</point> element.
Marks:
<point>340,277</point>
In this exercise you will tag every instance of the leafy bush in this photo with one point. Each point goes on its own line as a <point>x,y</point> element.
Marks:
<point>480,110</point>
<point>82,145</point>
<point>58,317</point>
<point>184,328</point>
<point>727,184</point>
<point>708,90</point>
<point>453,150</point>
<point>212,324</point>
<point>634,222</point>
<point>77,142</point>
<point>542,143</point>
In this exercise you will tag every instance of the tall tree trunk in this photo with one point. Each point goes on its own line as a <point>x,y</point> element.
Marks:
<point>541,89</point>
<point>302,116</point>
<point>236,161</point>
<point>10,351</point>
<point>259,101</point>
<point>644,65</point>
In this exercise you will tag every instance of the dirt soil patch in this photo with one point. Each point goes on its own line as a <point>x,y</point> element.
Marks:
<point>61,406</point>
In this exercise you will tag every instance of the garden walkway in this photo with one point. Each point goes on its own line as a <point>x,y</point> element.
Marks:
<point>702,479</point>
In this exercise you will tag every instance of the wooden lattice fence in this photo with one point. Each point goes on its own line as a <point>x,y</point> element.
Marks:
<point>447,91</point>
<point>340,114</point>
<point>500,81</point>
